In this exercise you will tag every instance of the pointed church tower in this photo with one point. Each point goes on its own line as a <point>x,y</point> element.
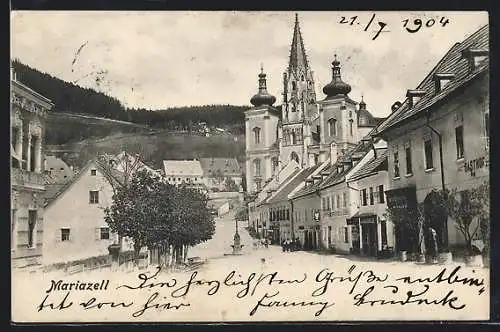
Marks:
<point>298,108</point>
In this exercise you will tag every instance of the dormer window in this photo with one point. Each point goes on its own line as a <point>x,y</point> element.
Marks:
<point>414,96</point>
<point>475,57</point>
<point>440,81</point>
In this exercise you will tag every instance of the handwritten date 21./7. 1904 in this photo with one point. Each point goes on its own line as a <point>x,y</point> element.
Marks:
<point>412,26</point>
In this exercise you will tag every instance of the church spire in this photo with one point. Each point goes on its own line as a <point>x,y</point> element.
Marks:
<point>298,56</point>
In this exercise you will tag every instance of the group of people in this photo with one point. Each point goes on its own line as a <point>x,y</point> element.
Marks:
<point>261,243</point>
<point>290,245</point>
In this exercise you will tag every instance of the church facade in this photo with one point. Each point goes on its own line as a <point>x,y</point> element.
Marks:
<point>303,128</point>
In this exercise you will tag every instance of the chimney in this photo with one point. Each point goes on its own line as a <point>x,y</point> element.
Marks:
<point>333,153</point>
<point>440,80</point>
<point>474,57</point>
<point>395,106</point>
<point>414,96</point>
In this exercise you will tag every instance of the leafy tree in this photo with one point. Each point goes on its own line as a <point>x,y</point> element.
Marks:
<point>410,223</point>
<point>242,214</point>
<point>230,185</point>
<point>470,209</point>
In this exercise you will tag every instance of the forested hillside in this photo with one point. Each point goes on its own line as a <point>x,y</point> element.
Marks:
<point>70,98</point>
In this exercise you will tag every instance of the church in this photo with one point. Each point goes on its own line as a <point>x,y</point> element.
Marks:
<point>304,128</point>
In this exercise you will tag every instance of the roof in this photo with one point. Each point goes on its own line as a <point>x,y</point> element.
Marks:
<point>298,58</point>
<point>451,63</point>
<point>312,188</point>
<point>371,121</point>
<point>58,169</point>
<point>54,190</point>
<point>269,198</point>
<point>182,167</point>
<point>283,193</point>
<point>372,166</point>
<point>228,166</point>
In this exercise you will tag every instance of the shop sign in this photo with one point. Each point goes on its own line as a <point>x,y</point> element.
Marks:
<point>471,166</point>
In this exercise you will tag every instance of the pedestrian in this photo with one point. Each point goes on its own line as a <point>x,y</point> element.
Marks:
<point>283,245</point>
<point>287,244</point>
<point>266,243</point>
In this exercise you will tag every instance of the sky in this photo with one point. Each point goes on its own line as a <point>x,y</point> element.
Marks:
<point>157,60</point>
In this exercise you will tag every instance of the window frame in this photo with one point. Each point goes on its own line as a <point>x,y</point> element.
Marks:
<point>428,154</point>
<point>93,197</point>
<point>459,142</point>
<point>68,235</point>
<point>409,161</point>
<point>396,168</point>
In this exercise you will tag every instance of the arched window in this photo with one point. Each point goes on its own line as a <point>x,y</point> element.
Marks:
<point>256,167</point>
<point>294,85</point>
<point>332,127</point>
<point>293,138</point>
<point>294,156</point>
<point>350,127</point>
<point>256,134</point>
<point>302,78</point>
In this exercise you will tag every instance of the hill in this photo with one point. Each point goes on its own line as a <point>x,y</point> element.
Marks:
<point>70,98</point>
<point>154,147</point>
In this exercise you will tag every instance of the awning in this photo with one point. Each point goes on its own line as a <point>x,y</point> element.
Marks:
<point>363,218</point>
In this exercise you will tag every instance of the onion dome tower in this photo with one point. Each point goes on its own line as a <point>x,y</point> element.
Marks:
<point>336,87</point>
<point>262,97</point>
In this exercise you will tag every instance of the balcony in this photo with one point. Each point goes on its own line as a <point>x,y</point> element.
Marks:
<point>24,178</point>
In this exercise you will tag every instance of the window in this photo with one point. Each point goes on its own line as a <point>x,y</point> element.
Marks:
<point>487,124</point>
<point>104,233</point>
<point>383,232</point>
<point>396,165</point>
<point>32,216</point>
<point>32,147</point>
<point>294,85</point>
<point>459,139</point>
<point>256,133</point>
<point>93,172</point>
<point>363,197</point>
<point>409,167</point>
<point>338,201</point>
<point>256,167</point>
<point>93,197</point>
<point>13,229</point>
<point>429,163</point>
<point>332,127</point>
<point>350,127</point>
<point>345,199</point>
<point>293,138</point>
<point>381,194</point>
<point>346,235</point>
<point>371,195</point>
<point>65,232</point>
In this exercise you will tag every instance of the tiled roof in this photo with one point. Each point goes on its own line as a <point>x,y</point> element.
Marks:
<point>182,168</point>
<point>451,63</point>
<point>315,186</point>
<point>268,198</point>
<point>58,169</point>
<point>55,190</point>
<point>371,166</point>
<point>228,166</point>
<point>282,195</point>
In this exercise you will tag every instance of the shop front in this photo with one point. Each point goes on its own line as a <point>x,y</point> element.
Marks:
<point>402,204</point>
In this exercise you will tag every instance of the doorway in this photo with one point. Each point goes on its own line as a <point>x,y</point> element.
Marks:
<point>369,238</point>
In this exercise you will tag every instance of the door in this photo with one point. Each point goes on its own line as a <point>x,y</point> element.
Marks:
<point>369,235</point>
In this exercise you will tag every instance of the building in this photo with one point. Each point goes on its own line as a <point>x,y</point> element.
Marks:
<point>438,138</point>
<point>217,170</point>
<point>70,236</point>
<point>304,128</point>
<point>184,172</point>
<point>27,123</point>
<point>371,233</point>
<point>57,169</point>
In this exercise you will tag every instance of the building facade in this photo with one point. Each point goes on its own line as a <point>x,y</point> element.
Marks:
<point>71,236</point>
<point>438,138</point>
<point>27,114</point>
<point>185,172</point>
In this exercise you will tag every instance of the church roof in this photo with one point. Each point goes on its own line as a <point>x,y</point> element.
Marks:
<point>228,166</point>
<point>298,58</point>
<point>452,63</point>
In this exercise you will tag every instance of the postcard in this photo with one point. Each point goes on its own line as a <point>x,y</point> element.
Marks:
<point>234,166</point>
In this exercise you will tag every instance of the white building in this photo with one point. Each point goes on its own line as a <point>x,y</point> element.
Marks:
<point>189,172</point>
<point>74,226</point>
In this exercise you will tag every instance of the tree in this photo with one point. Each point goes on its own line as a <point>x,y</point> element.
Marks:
<point>242,214</point>
<point>134,209</point>
<point>470,210</point>
<point>409,222</point>
<point>230,185</point>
